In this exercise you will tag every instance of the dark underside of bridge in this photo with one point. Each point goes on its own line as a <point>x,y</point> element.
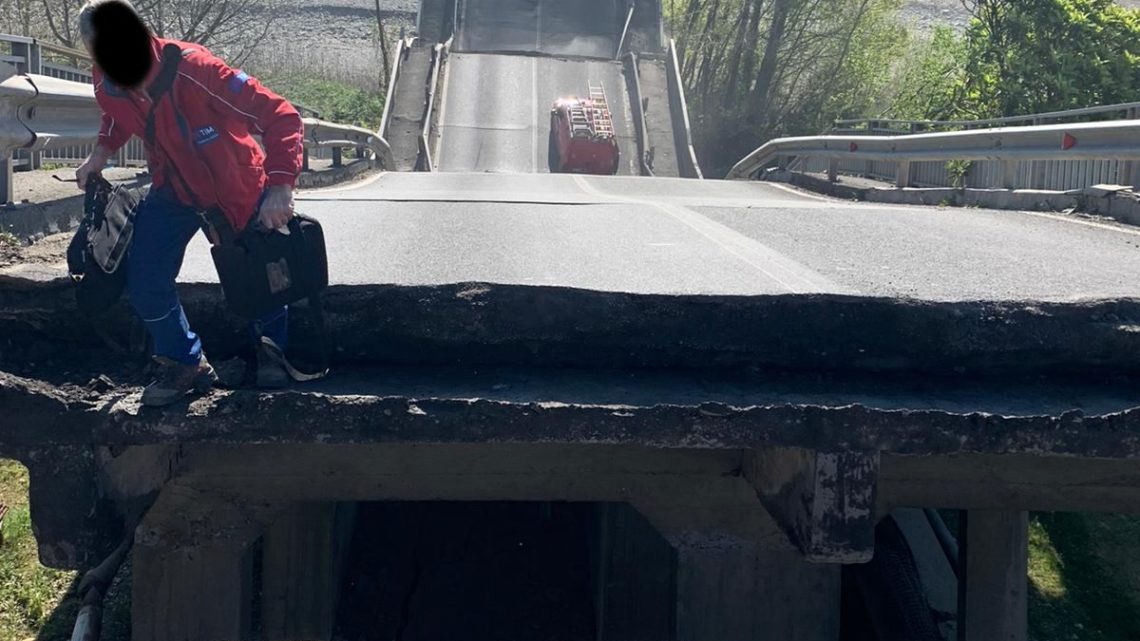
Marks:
<point>783,426</point>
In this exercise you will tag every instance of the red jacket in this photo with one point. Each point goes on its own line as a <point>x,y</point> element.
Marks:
<point>205,129</point>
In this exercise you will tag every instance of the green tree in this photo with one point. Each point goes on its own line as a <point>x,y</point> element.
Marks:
<point>1029,56</point>
<point>756,69</point>
<point>931,78</point>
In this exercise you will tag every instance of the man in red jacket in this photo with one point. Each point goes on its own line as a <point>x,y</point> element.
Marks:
<point>202,155</point>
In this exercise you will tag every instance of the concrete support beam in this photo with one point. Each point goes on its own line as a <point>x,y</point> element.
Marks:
<point>705,588</point>
<point>992,600</point>
<point>200,592</point>
<point>1002,481</point>
<point>304,555</point>
<point>76,526</point>
<point>825,502</point>
<point>192,567</point>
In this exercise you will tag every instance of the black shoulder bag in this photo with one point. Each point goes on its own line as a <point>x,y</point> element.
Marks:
<point>96,256</point>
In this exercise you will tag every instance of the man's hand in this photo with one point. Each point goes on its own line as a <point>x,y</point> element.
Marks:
<point>94,165</point>
<point>277,208</point>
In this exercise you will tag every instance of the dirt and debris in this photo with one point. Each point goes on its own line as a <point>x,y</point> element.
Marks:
<point>45,251</point>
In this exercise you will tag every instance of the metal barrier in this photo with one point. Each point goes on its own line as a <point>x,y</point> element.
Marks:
<point>42,114</point>
<point>1114,144</point>
<point>686,153</point>
<point>30,56</point>
<point>633,79</point>
<point>321,134</point>
<point>426,162</point>
<point>1057,175</point>
<point>1125,111</point>
<point>394,75</point>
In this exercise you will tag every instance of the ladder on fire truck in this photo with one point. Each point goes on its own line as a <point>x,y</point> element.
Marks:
<point>600,106</point>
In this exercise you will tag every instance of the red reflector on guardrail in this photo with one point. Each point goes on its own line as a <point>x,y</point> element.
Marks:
<point>854,147</point>
<point>1068,142</point>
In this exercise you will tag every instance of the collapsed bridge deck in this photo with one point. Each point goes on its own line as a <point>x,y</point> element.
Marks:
<point>736,361</point>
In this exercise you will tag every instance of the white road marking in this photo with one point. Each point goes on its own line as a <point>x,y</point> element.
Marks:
<point>302,193</point>
<point>789,274</point>
<point>1087,223</point>
<point>800,192</point>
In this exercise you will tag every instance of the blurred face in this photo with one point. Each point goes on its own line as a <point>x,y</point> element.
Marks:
<point>121,46</point>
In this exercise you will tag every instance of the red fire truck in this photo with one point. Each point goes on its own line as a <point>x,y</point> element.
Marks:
<point>582,135</point>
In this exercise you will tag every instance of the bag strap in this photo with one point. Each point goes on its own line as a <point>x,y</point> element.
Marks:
<point>216,226</point>
<point>95,199</point>
<point>163,83</point>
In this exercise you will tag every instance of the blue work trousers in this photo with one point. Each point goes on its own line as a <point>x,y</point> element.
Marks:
<point>163,229</point>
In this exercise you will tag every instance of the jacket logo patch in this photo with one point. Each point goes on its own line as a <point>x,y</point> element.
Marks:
<point>238,81</point>
<point>205,135</point>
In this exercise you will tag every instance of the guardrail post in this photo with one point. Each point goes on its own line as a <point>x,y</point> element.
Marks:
<point>1037,167</point>
<point>33,63</point>
<point>833,170</point>
<point>336,157</point>
<point>1130,169</point>
<point>7,191</point>
<point>902,176</point>
<point>1009,174</point>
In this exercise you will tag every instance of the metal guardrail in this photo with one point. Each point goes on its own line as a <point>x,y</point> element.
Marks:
<point>53,116</point>
<point>1124,111</point>
<point>30,56</point>
<point>686,153</point>
<point>401,53</point>
<point>426,162</point>
<point>41,113</point>
<point>1112,141</point>
<point>633,79</point>
<point>321,134</point>
<point>1058,175</point>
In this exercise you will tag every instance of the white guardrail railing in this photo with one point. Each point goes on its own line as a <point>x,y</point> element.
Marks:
<point>1059,156</point>
<point>57,120</point>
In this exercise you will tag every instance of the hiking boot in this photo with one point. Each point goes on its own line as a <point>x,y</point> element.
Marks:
<point>271,373</point>
<point>176,380</point>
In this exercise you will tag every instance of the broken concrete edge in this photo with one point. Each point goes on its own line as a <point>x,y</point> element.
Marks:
<point>32,221</point>
<point>42,417</point>
<point>517,325</point>
<point>1119,205</point>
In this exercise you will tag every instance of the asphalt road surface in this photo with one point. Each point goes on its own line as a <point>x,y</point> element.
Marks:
<point>677,236</point>
<point>557,27</point>
<point>496,112</point>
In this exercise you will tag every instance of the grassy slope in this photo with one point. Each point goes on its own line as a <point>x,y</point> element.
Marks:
<point>1084,577</point>
<point>35,602</point>
<point>29,594</point>
<point>336,101</point>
